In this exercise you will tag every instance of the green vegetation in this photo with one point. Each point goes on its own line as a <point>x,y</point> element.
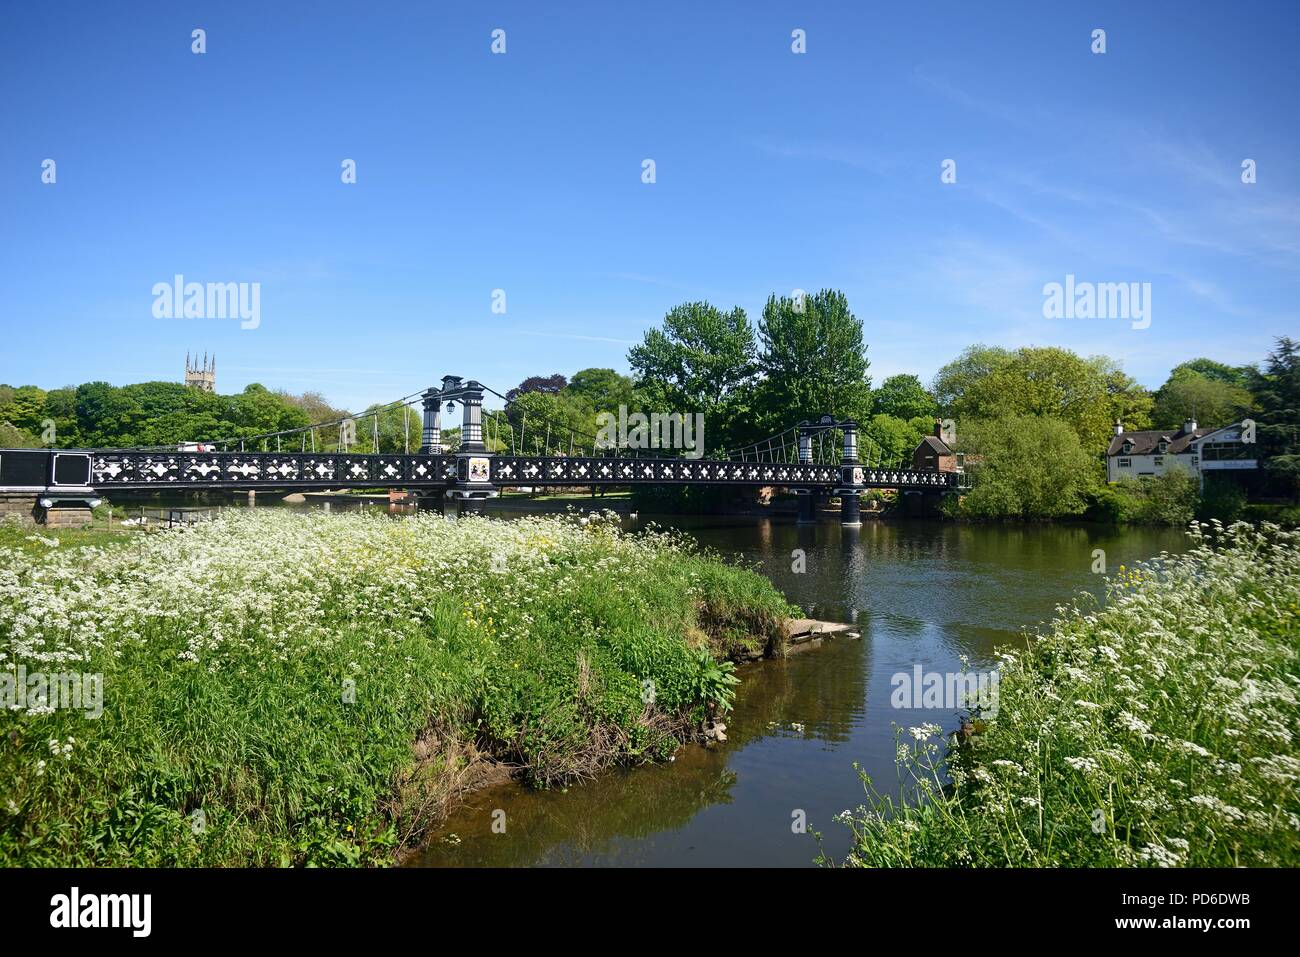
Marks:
<point>804,358</point>
<point>1170,499</point>
<point>315,689</point>
<point>1158,730</point>
<point>1087,394</point>
<point>1207,391</point>
<point>1033,467</point>
<point>146,414</point>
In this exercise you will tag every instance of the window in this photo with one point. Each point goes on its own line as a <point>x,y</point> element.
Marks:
<point>1225,451</point>
<point>1125,463</point>
<point>1158,460</point>
<point>1163,447</point>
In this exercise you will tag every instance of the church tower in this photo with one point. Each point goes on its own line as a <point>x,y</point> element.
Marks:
<point>201,376</point>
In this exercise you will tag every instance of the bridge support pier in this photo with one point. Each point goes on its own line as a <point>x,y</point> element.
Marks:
<point>65,515</point>
<point>807,499</point>
<point>850,508</point>
<point>19,507</point>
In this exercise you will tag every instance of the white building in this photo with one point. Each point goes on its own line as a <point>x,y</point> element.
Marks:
<point>1154,452</point>
<point>1226,449</point>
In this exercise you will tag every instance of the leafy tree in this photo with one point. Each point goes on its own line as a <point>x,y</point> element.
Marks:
<point>12,437</point>
<point>1087,394</point>
<point>61,406</point>
<point>813,359</point>
<point>896,438</point>
<point>551,384</point>
<point>1211,401</point>
<point>257,410</point>
<point>1277,396</point>
<point>904,397</point>
<point>24,407</point>
<point>1217,371</point>
<point>1129,402</point>
<point>954,380</point>
<point>1031,467</point>
<point>700,361</point>
<point>317,410</point>
<point>603,389</point>
<point>550,422</point>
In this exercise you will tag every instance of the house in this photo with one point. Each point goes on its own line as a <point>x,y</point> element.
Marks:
<point>1227,448</point>
<point>1197,450</point>
<point>934,455</point>
<point>1153,452</point>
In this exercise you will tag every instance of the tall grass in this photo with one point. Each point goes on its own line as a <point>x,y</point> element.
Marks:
<point>1160,730</point>
<point>289,689</point>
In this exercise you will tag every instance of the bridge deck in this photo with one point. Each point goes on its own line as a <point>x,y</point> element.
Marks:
<point>107,470</point>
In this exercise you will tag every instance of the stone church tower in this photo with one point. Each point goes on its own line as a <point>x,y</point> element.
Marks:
<point>201,376</point>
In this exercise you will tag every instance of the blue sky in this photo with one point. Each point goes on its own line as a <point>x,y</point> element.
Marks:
<point>522,172</point>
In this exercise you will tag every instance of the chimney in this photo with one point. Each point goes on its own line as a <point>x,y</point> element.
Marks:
<point>1189,425</point>
<point>938,429</point>
<point>1119,427</point>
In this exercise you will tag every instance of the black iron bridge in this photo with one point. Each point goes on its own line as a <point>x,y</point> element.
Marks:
<point>476,470</point>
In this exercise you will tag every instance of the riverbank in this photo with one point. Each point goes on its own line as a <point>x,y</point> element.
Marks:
<point>1156,730</point>
<point>284,688</point>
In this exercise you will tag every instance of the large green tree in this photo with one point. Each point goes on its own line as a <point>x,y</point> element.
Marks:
<point>813,360</point>
<point>1087,394</point>
<point>1209,399</point>
<point>602,389</point>
<point>976,363</point>
<point>701,360</point>
<point>1030,467</point>
<point>903,397</point>
<point>1277,396</point>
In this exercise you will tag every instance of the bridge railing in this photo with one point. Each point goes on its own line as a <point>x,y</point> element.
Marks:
<point>104,470</point>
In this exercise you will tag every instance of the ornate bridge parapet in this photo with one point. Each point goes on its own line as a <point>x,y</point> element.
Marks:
<point>107,469</point>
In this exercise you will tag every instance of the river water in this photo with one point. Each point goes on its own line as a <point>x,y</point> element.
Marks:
<point>921,593</point>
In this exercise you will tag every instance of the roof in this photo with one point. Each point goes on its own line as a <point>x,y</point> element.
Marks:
<point>936,444</point>
<point>1148,442</point>
<point>1233,430</point>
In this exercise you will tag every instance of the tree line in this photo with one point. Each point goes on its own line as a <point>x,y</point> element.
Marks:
<point>1040,418</point>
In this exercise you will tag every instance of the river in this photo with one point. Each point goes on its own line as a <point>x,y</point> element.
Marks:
<point>921,593</point>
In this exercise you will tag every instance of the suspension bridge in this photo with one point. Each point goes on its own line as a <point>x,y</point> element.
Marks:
<point>815,459</point>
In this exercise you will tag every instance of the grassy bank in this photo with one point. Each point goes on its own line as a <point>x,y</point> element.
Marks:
<point>1159,730</point>
<point>285,689</point>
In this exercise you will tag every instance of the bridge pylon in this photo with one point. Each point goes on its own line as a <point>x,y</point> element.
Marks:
<point>473,483</point>
<point>851,477</point>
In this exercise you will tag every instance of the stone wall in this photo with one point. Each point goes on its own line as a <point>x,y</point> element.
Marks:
<point>23,507</point>
<point>20,507</point>
<point>73,516</point>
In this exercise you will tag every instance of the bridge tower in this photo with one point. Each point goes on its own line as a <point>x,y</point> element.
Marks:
<point>850,488</point>
<point>806,497</point>
<point>431,431</point>
<point>473,483</point>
